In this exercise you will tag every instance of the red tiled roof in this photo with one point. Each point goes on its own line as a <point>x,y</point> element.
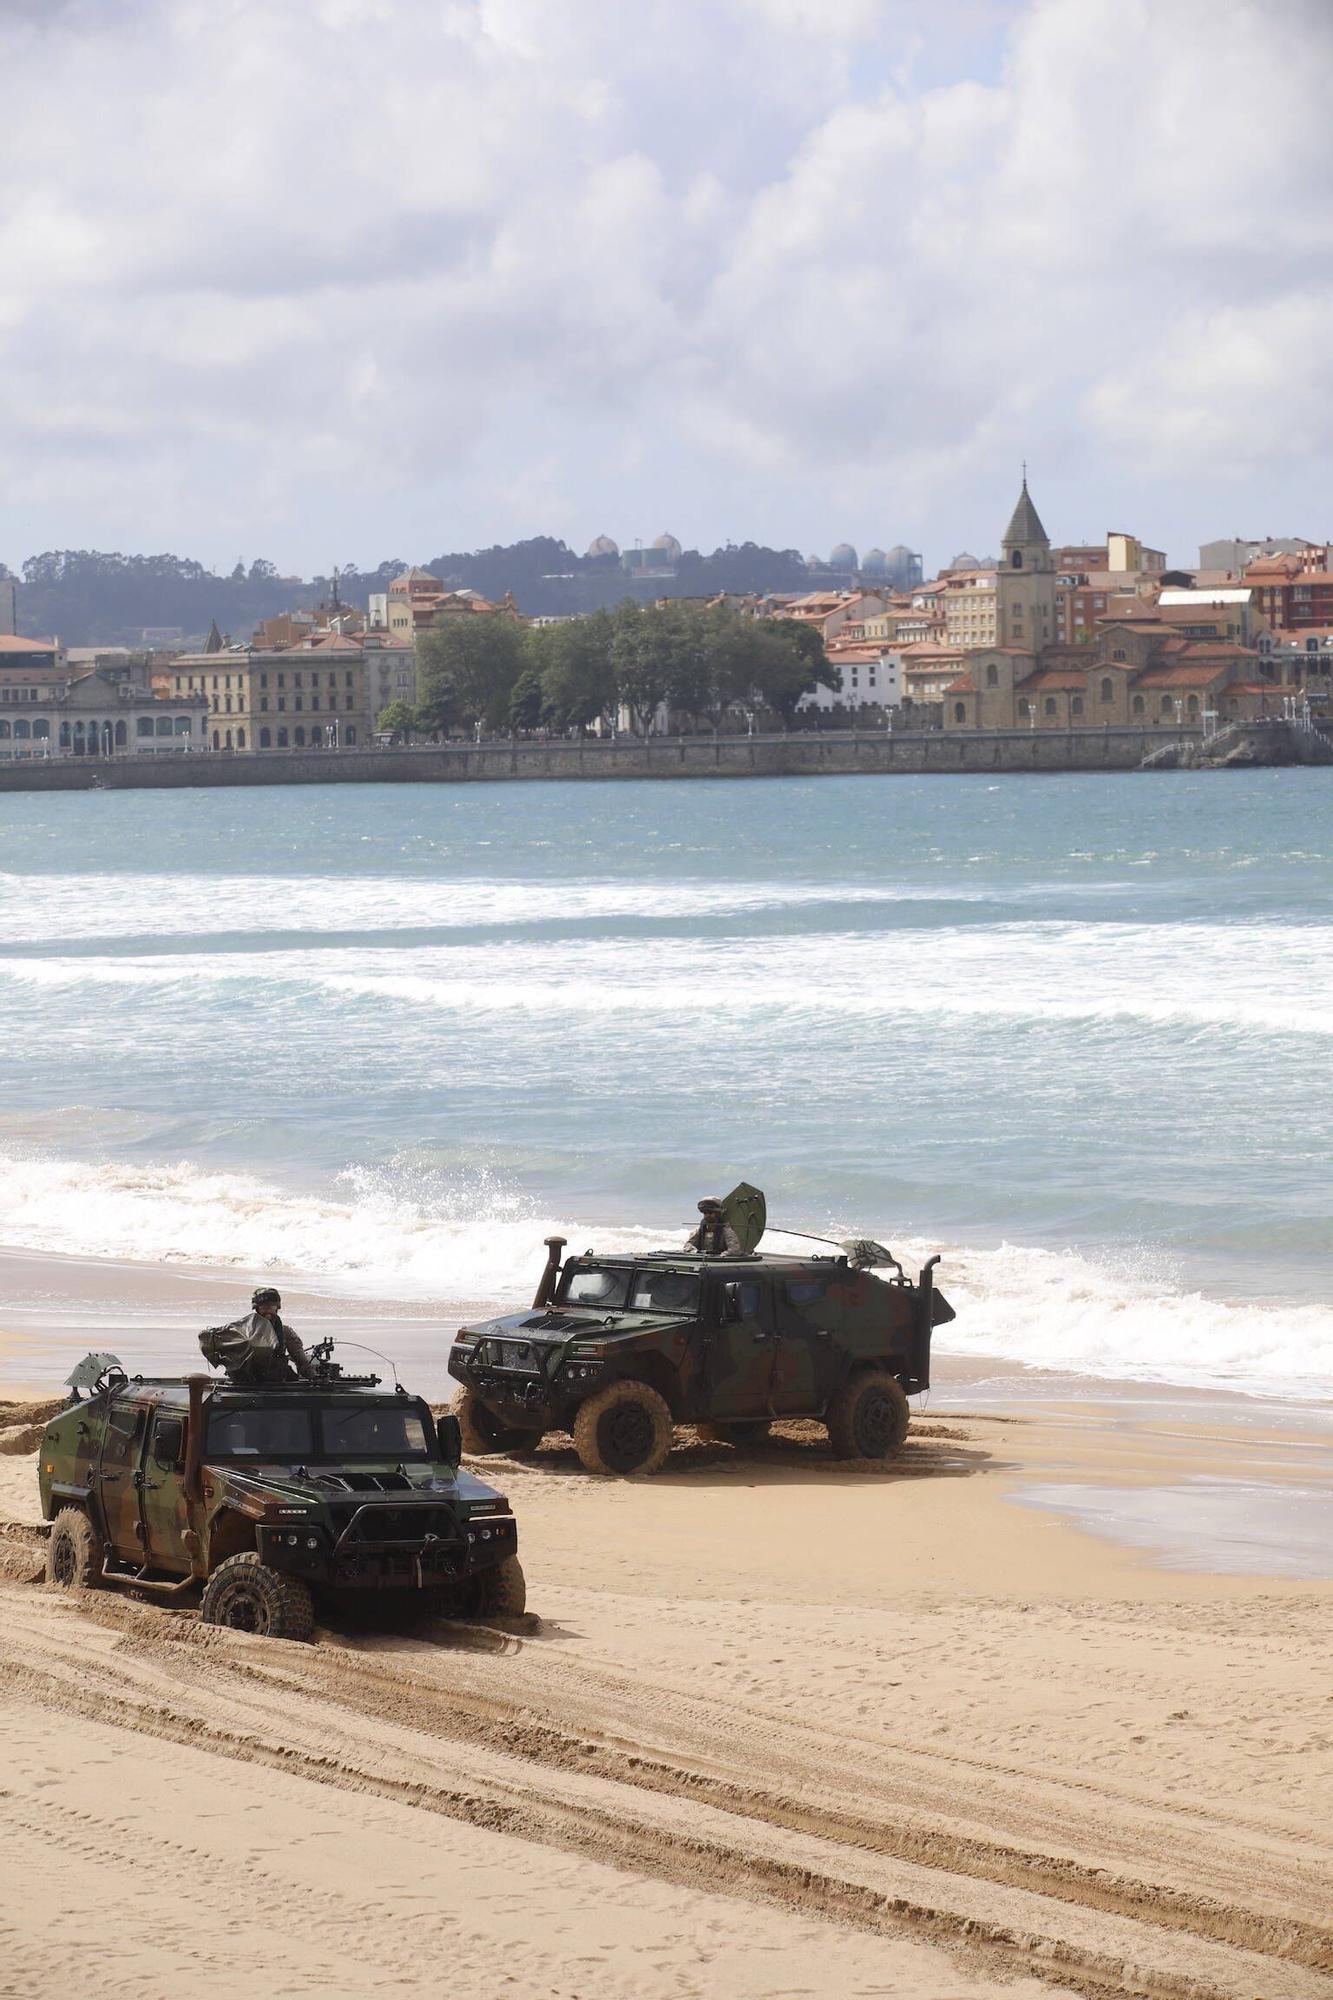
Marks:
<point>11,642</point>
<point>1179,676</point>
<point>963,685</point>
<point>1051,680</point>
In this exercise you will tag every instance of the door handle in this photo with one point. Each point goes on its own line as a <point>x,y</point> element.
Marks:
<point>763,1336</point>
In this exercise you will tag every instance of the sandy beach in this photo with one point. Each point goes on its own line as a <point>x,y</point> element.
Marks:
<point>993,1721</point>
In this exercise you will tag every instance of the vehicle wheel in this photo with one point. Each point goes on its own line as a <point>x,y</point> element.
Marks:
<point>73,1558</point>
<point>501,1592</point>
<point>248,1596</point>
<point>753,1431</point>
<point>623,1429</point>
<point>484,1433</point>
<point>868,1417</point>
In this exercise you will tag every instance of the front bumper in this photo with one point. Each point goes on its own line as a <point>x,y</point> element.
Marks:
<point>409,1564</point>
<point>527,1397</point>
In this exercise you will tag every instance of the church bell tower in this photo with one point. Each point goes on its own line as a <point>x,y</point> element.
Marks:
<point>1027,580</point>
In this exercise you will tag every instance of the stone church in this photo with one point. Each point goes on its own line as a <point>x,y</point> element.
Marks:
<point>1143,666</point>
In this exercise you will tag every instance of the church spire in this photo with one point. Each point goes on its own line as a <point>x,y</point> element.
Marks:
<point>1025,527</point>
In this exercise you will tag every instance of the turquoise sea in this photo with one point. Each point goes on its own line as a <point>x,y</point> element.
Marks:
<point>1073,1031</point>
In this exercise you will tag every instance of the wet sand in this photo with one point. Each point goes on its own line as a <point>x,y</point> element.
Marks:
<point>776,1725</point>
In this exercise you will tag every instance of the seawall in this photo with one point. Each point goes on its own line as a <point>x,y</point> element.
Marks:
<point>836,753</point>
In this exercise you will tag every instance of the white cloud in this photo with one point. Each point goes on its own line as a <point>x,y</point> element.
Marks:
<point>395,275</point>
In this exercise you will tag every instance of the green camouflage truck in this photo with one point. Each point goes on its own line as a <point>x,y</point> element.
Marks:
<point>617,1350</point>
<point>261,1497</point>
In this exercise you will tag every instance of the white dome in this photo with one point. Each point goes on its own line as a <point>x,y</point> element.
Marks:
<point>667,543</point>
<point>603,546</point>
<point>844,556</point>
<point>874,562</point>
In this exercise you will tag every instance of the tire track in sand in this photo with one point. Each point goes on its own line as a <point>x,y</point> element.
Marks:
<point>656,1817</point>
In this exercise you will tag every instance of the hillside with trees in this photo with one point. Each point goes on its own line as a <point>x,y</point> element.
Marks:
<point>89,597</point>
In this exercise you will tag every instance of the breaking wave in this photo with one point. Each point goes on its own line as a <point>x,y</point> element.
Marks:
<point>1251,978</point>
<point>421,1236</point>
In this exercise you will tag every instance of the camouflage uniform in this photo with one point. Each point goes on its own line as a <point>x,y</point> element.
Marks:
<point>254,1350</point>
<point>714,1237</point>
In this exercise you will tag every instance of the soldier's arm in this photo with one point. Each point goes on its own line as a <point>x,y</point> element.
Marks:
<point>297,1355</point>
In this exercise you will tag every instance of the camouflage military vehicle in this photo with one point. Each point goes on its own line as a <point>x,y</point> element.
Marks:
<point>262,1496</point>
<point>618,1350</point>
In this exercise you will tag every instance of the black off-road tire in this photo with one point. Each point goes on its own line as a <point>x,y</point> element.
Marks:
<point>247,1596</point>
<point>483,1433</point>
<point>501,1592</point>
<point>868,1417</point>
<point>751,1430</point>
<point>73,1555</point>
<point>624,1430</point>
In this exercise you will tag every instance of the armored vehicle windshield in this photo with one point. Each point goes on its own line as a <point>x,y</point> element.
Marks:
<point>613,1288</point>
<point>318,1431</point>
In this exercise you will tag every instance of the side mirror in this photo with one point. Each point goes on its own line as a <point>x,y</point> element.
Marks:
<point>449,1439</point>
<point>731,1303</point>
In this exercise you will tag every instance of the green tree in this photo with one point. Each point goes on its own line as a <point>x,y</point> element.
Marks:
<point>525,702</point>
<point>658,656</point>
<point>789,663</point>
<point>574,661</point>
<point>468,665</point>
<point>399,720</point>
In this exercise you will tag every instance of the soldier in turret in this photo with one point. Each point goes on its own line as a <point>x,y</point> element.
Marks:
<point>715,1236</point>
<point>260,1349</point>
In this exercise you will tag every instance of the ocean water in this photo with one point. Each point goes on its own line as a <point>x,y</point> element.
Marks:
<point>1075,1032</point>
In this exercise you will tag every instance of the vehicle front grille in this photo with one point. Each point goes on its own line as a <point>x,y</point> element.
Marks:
<point>413,1525</point>
<point>519,1355</point>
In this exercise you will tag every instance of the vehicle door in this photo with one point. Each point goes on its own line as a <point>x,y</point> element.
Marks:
<point>118,1472</point>
<point>162,1492</point>
<point>808,1319</point>
<point>740,1361</point>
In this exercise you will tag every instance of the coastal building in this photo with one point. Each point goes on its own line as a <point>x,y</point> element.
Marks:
<point>869,677</point>
<point>1290,593</point>
<point>416,600</point>
<point>97,714</point>
<point>1152,655</point>
<point>832,612</point>
<point>970,604</point>
<point>17,654</point>
<point>1236,553</point>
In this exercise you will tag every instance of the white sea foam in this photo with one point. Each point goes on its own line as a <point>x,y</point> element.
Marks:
<point>1273,981</point>
<point>128,906</point>
<point>427,1237</point>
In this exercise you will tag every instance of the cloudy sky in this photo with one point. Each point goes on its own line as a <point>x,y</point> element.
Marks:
<point>332,280</point>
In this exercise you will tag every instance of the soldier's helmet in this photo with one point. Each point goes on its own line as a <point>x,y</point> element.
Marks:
<point>709,1205</point>
<point>264,1295</point>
